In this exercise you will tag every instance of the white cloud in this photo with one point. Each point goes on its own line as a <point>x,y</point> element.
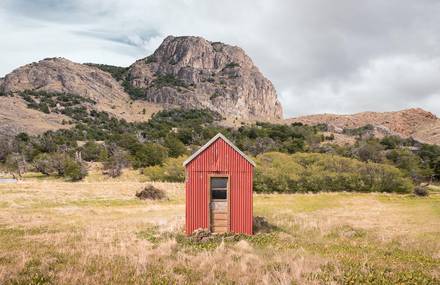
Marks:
<point>323,56</point>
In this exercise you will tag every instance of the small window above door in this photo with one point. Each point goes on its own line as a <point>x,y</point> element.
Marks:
<point>219,188</point>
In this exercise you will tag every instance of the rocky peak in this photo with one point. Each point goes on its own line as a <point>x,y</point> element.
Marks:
<point>195,73</point>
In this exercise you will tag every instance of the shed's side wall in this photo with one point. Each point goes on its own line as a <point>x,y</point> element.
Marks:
<point>219,158</point>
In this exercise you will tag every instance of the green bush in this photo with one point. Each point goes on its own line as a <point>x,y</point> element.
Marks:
<point>62,164</point>
<point>171,171</point>
<point>91,151</point>
<point>313,172</point>
<point>117,72</point>
<point>149,154</point>
<point>74,170</point>
<point>430,155</point>
<point>43,163</point>
<point>169,80</point>
<point>369,150</point>
<point>408,162</point>
<point>175,147</point>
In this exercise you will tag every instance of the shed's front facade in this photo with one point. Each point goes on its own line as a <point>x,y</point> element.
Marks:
<point>219,188</point>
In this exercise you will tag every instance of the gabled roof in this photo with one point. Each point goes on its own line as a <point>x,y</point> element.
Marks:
<point>211,141</point>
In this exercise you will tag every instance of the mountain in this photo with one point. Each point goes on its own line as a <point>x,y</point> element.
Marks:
<point>416,123</point>
<point>187,72</point>
<point>59,75</point>
<point>195,73</point>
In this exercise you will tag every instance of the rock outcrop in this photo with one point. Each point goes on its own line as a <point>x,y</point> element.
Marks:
<point>416,123</point>
<point>192,72</point>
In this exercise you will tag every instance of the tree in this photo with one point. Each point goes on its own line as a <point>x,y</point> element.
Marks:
<point>43,163</point>
<point>91,151</point>
<point>430,155</point>
<point>408,162</point>
<point>68,167</point>
<point>149,154</point>
<point>117,160</point>
<point>175,147</point>
<point>16,165</point>
<point>6,148</point>
<point>74,170</point>
<point>369,150</point>
<point>171,171</point>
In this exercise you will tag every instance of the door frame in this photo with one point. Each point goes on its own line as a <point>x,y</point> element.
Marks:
<point>228,190</point>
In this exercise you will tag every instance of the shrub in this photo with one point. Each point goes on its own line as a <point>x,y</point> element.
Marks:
<point>175,147</point>
<point>43,163</point>
<point>170,80</point>
<point>304,172</point>
<point>151,193</point>
<point>61,163</point>
<point>116,72</point>
<point>171,171</point>
<point>276,172</point>
<point>430,155</point>
<point>149,154</point>
<point>74,170</point>
<point>92,151</point>
<point>408,162</point>
<point>369,150</point>
<point>232,65</point>
<point>358,131</point>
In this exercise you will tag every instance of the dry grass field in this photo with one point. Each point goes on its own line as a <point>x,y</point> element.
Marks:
<point>98,232</point>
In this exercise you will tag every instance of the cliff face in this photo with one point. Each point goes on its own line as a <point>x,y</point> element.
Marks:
<point>194,73</point>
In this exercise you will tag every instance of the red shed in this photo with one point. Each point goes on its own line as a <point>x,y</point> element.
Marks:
<point>219,188</point>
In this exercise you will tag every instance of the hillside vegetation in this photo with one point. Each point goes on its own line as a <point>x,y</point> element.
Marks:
<point>158,146</point>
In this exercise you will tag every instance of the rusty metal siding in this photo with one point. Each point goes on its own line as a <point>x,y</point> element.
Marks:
<point>219,158</point>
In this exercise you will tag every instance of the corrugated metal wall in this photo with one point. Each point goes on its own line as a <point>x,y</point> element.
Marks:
<point>219,158</point>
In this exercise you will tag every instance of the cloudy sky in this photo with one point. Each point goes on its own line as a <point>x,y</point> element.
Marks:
<point>323,56</point>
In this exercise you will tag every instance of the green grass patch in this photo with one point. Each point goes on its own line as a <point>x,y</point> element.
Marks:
<point>269,204</point>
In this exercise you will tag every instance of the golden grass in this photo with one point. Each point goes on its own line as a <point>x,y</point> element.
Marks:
<point>97,232</point>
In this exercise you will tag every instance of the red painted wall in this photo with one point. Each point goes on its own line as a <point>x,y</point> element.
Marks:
<point>219,158</point>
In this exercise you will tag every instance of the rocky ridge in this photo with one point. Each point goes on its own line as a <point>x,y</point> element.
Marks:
<point>416,123</point>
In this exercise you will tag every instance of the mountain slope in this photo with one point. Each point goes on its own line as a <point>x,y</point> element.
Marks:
<point>15,117</point>
<point>59,75</point>
<point>417,123</point>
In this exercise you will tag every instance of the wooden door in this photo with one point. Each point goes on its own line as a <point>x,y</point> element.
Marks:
<point>219,205</point>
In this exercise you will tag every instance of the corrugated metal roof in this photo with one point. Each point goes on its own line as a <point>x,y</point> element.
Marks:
<point>211,141</point>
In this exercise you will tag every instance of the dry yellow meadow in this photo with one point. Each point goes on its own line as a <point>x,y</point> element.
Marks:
<point>98,232</point>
